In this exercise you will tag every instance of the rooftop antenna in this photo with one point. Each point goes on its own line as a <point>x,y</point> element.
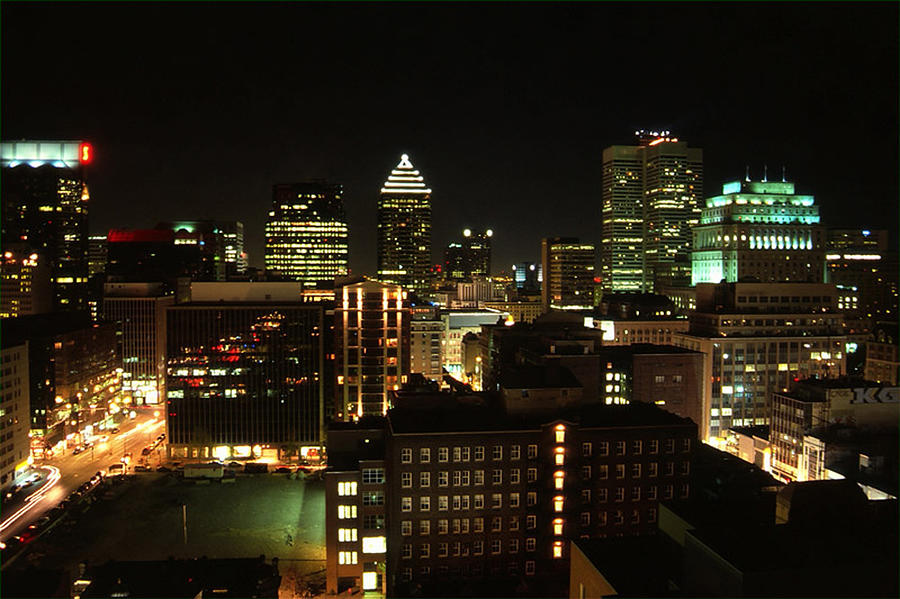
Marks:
<point>783,176</point>
<point>747,175</point>
<point>765,173</point>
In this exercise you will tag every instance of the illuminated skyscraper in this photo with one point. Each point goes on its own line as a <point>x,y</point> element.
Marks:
<point>759,229</point>
<point>45,206</point>
<point>404,228</point>
<point>469,257</point>
<point>235,257</point>
<point>306,234</point>
<point>372,329</point>
<point>568,267</point>
<point>651,201</point>
<point>24,282</point>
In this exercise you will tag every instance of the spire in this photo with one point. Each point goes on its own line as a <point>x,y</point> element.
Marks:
<point>783,175</point>
<point>405,179</point>
<point>747,175</point>
<point>765,173</point>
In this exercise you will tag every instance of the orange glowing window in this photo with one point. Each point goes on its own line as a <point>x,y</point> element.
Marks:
<point>557,549</point>
<point>558,502</point>
<point>558,527</point>
<point>558,479</point>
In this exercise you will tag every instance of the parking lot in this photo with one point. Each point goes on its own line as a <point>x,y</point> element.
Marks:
<point>143,517</point>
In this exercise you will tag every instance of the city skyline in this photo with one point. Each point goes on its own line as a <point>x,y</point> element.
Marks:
<point>499,128</point>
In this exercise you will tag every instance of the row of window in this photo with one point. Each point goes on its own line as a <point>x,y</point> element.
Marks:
<point>463,478</point>
<point>406,574</point>
<point>460,526</point>
<point>466,454</point>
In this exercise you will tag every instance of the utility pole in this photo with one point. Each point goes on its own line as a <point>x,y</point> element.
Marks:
<point>184,521</point>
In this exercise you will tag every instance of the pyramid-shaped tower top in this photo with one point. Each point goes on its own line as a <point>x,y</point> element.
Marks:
<point>405,179</point>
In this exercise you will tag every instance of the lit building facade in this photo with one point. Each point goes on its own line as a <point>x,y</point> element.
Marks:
<point>813,405</point>
<point>140,311</point>
<point>650,202</point>
<point>470,257</point>
<point>45,206</point>
<point>372,348</point>
<point>306,233</point>
<point>456,325</point>
<point>404,228</point>
<point>425,348</point>
<point>14,403</point>
<point>759,229</point>
<point>863,262</point>
<point>25,282</point>
<point>244,378</point>
<point>74,370</point>
<point>97,255</point>
<point>568,269</point>
<point>528,276</point>
<point>753,348</point>
<point>476,497</point>
<point>235,256</point>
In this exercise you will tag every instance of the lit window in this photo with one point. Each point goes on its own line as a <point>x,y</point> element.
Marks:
<point>558,527</point>
<point>560,457</point>
<point>557,549</point>
<point>347,557</point>
<point>558,502</point>
<point>560,433</point>
<point>559,479</point>
<point>346,488</point>
<point>347,535</point>
<point>374,545</point>
<point>346,512</point>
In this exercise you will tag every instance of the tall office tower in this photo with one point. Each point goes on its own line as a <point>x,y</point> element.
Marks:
<point>97,255</point>
<point>862,260</point>
<point>528,275</point>
<point>404,228</point>
<point>757,339</point>
<point>759,229</point>
<point>651,200</point>
<point>45,206</point>
<point>140,311</point>
<point>25,282</point>
<point>201,244</point>
<point>235,256</point>
<point>469,257</point>
<point>568,267</point>
<point>14,419</point>
<point>372,347</point>
<point>306,234</point>
<point>244,375</point>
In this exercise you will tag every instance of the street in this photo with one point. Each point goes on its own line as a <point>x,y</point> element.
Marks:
<point>65,473</point>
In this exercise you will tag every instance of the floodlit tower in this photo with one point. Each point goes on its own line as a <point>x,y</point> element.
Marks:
<point>404,228</point>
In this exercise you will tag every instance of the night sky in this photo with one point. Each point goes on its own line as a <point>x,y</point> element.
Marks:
<point>196,110</point>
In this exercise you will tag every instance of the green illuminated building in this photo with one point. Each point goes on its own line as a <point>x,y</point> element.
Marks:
<point>759,229</point>
<point>306,234</point>
<point>404,228</point>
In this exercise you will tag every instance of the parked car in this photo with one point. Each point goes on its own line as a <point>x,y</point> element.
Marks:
<point>142,469</point>
<point>283,470</point>
<point>234,464</point>
<point>114,430</point>
<point>78,450</point>
<point>146,451</point>
<point>163,469</point>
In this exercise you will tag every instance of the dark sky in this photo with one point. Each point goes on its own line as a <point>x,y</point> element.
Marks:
<point>196,110</point>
